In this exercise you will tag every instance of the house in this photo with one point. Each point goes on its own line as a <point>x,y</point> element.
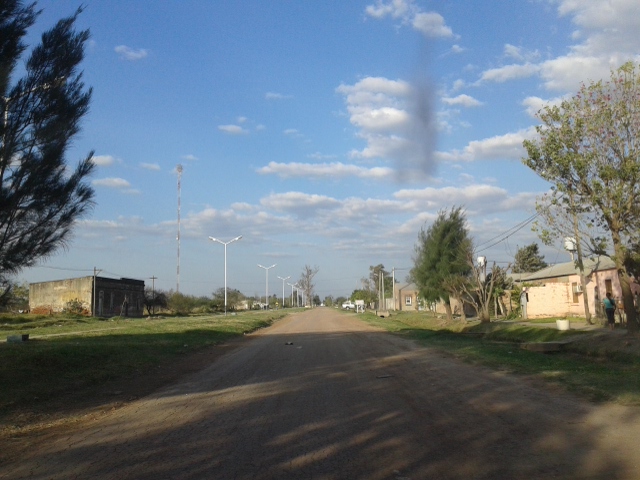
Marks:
<point>557,290</point>
<point>406,297</point>
<point>100,296</point>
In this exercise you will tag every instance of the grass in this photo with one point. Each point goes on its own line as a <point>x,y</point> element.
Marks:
<point>594,365</point>
<point>66,354</point>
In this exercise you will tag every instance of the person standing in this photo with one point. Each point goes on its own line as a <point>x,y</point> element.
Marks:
<point>610,310</point>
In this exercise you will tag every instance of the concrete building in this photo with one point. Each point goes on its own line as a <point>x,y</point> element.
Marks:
<point>108,297</point>
<point>556,290</point>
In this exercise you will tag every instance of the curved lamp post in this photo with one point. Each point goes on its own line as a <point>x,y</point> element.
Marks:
<point>225,264</point>
<point>266,290</point>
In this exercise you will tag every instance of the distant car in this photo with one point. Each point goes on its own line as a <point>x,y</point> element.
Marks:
<point>349,305</point>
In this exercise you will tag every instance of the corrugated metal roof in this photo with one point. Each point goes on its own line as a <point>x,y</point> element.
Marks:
<point>569,268</point>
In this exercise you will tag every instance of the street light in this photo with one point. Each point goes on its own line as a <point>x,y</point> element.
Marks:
<point>266,290</point>
<point>292,287</point>
<point>283,280</point>
<point>225,264</point>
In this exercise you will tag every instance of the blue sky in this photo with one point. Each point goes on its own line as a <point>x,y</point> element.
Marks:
<point>326,133</point>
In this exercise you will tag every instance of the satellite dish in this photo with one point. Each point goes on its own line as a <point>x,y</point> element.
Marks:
<point>570,244</point>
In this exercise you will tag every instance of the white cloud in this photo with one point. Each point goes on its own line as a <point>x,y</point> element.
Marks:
<point>395,120</point>
<point>509,72</point>
<point>131,54</point>
<point>151,166</point>
<point>189,158</point>
<point>462,100</point>
<point>111,182</point>
<point>320,156</point>
<point>457,49</point>
<point>503,147</point>
<point>606,36</point>
<point>324,170</point>
<point>534,104</point>
<point>277,96</point>
<point>430,24</point>
<point>103,160</point>
<point>233,129</point>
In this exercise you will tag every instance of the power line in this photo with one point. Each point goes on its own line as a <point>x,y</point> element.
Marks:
<point>513,230</point>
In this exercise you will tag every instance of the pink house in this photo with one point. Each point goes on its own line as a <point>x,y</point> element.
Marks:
<point>556,290</point>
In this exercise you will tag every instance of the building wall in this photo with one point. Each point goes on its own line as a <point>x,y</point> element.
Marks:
<point>556,297</point>
<point>123,297</point>
<point>52,297</point>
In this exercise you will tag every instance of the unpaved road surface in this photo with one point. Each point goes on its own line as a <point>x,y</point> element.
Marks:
<point>321,395</point>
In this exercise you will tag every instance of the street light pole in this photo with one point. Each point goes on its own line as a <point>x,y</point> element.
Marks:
<point>266,290</point>
<point>292,287</point>
<point>225,265</point>
<point>283,280</point>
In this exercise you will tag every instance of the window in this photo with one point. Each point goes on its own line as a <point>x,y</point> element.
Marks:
<point>574,290</point>
<point>408,300</point>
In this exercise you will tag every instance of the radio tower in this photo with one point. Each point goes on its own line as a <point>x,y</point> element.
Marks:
<point>179,170</point>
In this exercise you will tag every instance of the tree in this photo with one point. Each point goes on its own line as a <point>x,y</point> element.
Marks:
<point>39,198</point>
<point>528,259</point>
<point>588,148</point>
<point>14,297</point>
<point>234,297</point>
<point>560,217</point>
<point>441,258</point>
<point>153,299</point>
<point>306,282</point>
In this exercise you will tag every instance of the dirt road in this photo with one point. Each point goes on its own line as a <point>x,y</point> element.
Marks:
<point>321,395</point>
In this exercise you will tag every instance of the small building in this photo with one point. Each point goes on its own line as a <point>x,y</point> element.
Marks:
<point>107,297</point>
<point>556,290</point>
<point>406,297</point>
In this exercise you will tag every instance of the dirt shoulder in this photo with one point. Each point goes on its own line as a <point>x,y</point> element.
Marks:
<point>19,426</point>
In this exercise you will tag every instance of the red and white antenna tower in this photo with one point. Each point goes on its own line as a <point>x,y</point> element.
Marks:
<point>179,170</point>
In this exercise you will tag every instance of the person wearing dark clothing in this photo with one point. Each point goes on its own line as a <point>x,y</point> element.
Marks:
<point>610,309</point>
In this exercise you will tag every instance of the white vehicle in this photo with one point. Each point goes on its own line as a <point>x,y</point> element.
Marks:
<point>349,305</point>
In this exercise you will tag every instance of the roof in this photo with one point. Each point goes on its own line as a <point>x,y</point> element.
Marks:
<point>408,286</point>
<point>569,268</point>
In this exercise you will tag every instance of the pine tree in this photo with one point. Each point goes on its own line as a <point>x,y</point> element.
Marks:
<point>40,197</point>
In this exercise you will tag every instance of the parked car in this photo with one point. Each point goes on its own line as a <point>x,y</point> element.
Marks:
<point>349,305</point>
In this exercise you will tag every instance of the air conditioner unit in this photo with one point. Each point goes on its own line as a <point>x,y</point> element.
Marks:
<point>577,288</point>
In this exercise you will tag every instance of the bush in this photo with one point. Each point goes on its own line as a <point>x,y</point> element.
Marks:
<point>75,307</point>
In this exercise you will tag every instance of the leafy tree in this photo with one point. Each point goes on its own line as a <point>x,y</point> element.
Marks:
<point>234,297</point>
<point>14,297</point>
<point>588,149</point>
<point>154,300</point>
<point>528,259</point>
<point>340,300</point>
<point>441,258</point>
<point>40,199</point>
<point>369,297</point>
<point>306,282</point>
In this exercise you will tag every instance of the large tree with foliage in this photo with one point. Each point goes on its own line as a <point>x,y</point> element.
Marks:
<point>40,199</point>
<point>441,257</point>
<point>588,148</point>
<point>528,259</point>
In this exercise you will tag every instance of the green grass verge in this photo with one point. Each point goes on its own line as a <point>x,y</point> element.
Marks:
<point>66,354</point>
<point>593,365</point>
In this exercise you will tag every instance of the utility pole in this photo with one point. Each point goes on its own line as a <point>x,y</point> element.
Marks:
<point>153,295</point>
<point>95,277</point>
